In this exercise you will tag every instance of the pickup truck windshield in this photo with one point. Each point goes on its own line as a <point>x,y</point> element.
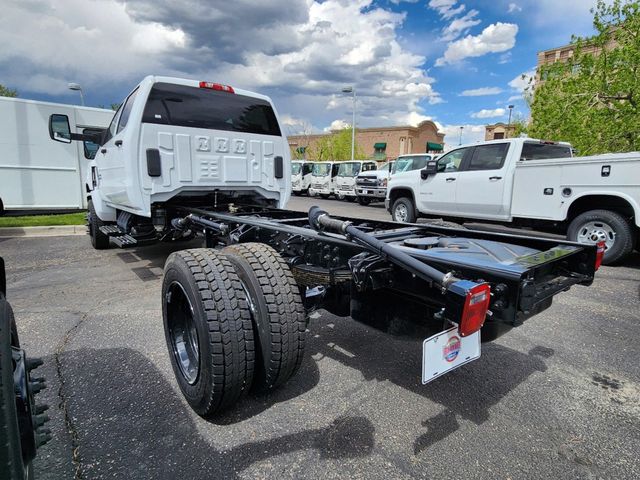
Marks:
<point>180,105</point>
<point>406,164</point>
<point>541,151</point>
<point>295,168</point>
<point>348,169</point>
<point>321,169</point>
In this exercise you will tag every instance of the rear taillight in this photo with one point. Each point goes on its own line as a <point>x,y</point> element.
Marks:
<point>475,309</point>
<point>217,86</point>
<point>600,253</point>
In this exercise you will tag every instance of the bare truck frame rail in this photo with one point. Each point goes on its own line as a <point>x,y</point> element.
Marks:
<point>431,278</point>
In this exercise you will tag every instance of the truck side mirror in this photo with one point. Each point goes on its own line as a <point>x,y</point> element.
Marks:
<point>430,169</point>
<point>59,129</point>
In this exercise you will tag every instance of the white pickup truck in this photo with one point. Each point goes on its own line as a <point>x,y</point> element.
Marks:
<point>527,182</point>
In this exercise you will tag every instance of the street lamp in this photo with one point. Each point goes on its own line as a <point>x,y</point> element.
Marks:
<point>76,86</point>
<point>509,124</point>
<point>352,89</point>
<point>460,141</point>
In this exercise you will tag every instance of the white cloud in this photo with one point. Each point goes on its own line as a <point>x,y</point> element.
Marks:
<point>470,134</point>
<point>447,8</point>
<point>515,98</point>
<point>514,7</point>
<point>522,81</point>
<point>460,25</point>
<point>337,125</point>
<point>497,37</point>
<point>478,92</point>
<point>300,52</point>
<point>489,113</point>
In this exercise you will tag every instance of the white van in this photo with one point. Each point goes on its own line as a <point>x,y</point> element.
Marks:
<point>346,178</point>
<point>323,179</point>
<point>35,173</point>
<point>300,176</point>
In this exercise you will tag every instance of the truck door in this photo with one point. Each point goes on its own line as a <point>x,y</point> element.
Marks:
<point>437,194</point>
<point>111,157</point>
<point>481,183</point>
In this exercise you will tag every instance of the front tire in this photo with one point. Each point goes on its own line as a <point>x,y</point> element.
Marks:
<point>208,329</point>
<point>603,225</point>
<point>278,314</point>
<point>403,211</point>
<point>364,201</point>
<point>99,240</point>
<point>324,195</point>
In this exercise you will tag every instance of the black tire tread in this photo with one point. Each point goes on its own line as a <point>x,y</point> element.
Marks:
<point>412,215</point>
<point>287,316</point>
<point>99,240</point>
<point>229,325</point>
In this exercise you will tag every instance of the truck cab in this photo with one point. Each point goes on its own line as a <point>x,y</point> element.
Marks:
<point>175,139</point>
<point>323,179</point>
<point>300,176</point>
<point>346,178</point>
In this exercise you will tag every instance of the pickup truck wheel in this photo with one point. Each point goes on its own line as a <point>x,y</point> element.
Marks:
<point>99,240</point>
<point>324,195</point>
<point>278,314</point>
<point>403,211</point>
<point>341,197</point>
<point>364,201</point>
<point>208,330</point>
<point>19,416</point>
<point>603,225</point>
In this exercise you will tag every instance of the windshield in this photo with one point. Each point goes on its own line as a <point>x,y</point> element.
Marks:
<point>295,168</point>
<point>180,105</point>
<point>406,164</point>
<point>349,169</point>
<point>321,169</point>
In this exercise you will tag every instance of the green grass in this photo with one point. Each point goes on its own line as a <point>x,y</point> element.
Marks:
<point>44,220</point>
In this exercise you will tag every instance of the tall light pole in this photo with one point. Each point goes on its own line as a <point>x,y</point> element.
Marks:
<point>76,86</point>
<point>352,89</point>
<point>460,141</point>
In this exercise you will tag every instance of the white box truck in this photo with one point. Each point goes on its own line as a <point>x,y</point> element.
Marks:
<point>36,174</point>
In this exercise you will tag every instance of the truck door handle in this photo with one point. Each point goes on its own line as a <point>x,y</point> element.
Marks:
<point>103,150</point>
<point>495,178</point>
<point>118,143</point>
<point>451,179</point>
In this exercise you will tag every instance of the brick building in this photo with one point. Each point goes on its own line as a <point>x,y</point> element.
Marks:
<point>380,143</point>
<point>499,130</point>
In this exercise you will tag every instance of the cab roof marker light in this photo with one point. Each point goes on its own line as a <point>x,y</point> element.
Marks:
<point>217,86</point>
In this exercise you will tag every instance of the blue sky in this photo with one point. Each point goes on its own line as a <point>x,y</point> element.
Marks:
<point>455,62</point>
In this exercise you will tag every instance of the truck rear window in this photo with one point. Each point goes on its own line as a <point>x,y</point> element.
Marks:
<point>184,106</point>
<point>541,151</point>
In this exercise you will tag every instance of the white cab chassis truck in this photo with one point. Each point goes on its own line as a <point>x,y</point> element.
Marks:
<point>346,177</point>
<point>527,182</point>
<point>184,159</point>
<point>36,174</point>
<point>300,177</point>
<point>323,179</point>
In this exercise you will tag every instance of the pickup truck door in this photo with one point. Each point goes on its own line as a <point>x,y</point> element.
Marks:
<point>111,157</point>
<point>481,183</point>
<point>437,193</point>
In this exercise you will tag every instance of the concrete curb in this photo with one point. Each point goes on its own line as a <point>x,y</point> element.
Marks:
<point>51,231</point>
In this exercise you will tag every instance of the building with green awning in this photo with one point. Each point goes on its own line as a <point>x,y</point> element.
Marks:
<point>434,147</point>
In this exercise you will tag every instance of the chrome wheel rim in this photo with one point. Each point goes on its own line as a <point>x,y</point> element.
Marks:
<point>401,213</point>
<point>595,232</point>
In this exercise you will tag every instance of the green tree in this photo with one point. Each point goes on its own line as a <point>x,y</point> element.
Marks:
<point>336,146</point>
<point>593,99</point>
<point>7,92</point>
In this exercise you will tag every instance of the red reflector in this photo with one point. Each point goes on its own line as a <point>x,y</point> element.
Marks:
<point>217,86</point>
<point>475,309</point>
<point>600,253</point>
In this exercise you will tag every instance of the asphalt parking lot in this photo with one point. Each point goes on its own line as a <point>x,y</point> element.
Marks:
<point>557,397</point>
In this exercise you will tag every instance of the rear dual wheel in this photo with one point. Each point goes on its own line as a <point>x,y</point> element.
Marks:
<point>233,320</point>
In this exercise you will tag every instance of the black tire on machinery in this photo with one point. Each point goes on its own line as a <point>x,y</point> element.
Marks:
<point>223,323</point>
<point>280,329</point>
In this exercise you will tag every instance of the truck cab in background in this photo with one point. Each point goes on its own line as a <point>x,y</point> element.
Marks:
<point>300,176</point>
<point>346,178</point>
<point>323,179</point>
